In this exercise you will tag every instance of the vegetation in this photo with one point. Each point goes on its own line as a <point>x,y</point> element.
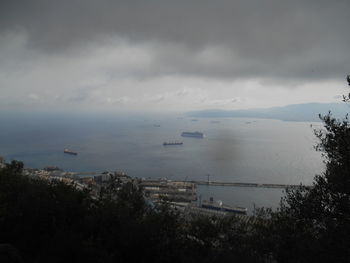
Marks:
<point>313,224</point>
<point>50,221</point>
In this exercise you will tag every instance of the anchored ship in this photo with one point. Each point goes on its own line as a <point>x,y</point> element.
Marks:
<point>70,152</point>
<point>172,143</point>
<point>192,134</point>
<point>219,206</point>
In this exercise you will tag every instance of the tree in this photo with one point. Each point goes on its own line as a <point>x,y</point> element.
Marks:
<point>346,98</point>
<point>313,224</point>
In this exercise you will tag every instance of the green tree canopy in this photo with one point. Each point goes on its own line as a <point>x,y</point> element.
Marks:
<point>313,224</point>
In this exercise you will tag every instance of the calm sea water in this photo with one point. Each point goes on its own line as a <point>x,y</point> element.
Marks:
<point>233,150</point>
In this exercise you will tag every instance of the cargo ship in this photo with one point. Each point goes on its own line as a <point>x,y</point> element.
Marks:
<point>70,152</point>
<point>172,143</point>
<point>219,206</point>
<point>192,134</point>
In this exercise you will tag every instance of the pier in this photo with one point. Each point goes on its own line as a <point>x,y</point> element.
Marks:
<point>217,183</point>
<point>239,184</point>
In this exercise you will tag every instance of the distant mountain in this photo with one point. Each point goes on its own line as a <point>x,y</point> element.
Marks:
<point>293,112</point>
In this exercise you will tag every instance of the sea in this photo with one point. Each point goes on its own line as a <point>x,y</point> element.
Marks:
<point>233,150</point>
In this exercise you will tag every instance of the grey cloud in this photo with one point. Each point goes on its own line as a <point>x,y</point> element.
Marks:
<point>263,39</point>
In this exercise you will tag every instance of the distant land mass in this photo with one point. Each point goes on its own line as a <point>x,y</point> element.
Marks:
<point>293,112</point>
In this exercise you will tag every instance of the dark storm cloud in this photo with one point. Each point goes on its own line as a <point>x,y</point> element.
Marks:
<point>245,38</point>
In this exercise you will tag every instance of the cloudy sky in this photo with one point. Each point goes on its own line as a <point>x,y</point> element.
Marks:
<point>178,55</point>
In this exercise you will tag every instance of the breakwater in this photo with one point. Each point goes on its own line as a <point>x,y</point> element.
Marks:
<point>240,184</point>
<point>218,183</point>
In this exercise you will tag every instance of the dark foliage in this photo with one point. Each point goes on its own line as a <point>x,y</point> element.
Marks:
<point>313,224</point>
<point>50,221</point>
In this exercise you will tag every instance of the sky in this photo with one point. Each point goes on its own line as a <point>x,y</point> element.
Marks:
<point>162,55</point>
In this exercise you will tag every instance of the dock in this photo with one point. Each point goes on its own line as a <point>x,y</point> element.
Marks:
<point>220,183</point>
<point>240,184</point>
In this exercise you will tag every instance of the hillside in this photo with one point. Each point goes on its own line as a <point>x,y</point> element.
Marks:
<point>293,112</point>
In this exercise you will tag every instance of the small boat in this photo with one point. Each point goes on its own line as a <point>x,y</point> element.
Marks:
<point>172,143</point>
<point>70,152</point>
<point>192,134</point>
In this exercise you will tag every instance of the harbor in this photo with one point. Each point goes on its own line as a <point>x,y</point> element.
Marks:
<point>242,184</point>
<point>187,196</point>
<point>219,183</point>
<point>183,195</point>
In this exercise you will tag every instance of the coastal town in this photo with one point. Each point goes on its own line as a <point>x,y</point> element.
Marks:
<point>179,195</point>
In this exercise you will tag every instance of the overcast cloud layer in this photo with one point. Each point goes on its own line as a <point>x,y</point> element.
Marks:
<point>177,55</point>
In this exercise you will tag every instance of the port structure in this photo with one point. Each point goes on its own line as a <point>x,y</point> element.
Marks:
<point>175,191</point>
